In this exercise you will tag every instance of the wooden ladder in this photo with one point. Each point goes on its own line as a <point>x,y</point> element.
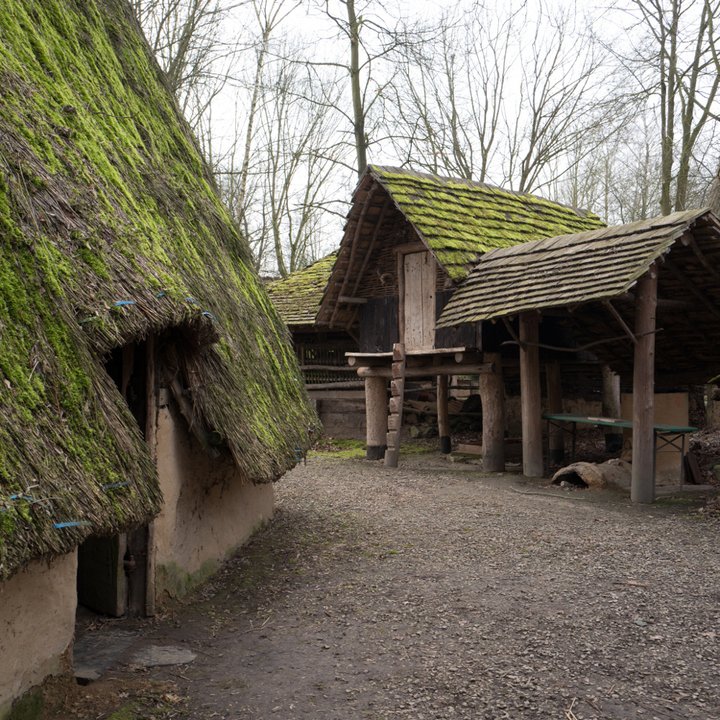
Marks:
<point>395,406</point>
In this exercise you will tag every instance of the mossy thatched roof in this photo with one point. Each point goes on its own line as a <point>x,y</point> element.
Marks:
<point>461,219</point>
<point>110,230</point>
<point>297,297</point>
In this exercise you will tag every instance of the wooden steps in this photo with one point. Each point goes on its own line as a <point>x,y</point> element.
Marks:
<point>395,406</point>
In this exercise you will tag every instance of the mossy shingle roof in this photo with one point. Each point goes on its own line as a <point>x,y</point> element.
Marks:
<point>566,270</point>
<point>297,297</point>
<point>110,230</point>
<point>460,219</point>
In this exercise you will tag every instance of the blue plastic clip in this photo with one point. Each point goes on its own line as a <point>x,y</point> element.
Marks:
<point>124,303</point>
<point>208,314</point>
<point>112,486</point>
<point>161,294</point>
<point>71,523</point>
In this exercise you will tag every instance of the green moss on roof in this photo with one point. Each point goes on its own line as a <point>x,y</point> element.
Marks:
<point>460,220</point>
<point>111,229</point>
<point>297,297</point>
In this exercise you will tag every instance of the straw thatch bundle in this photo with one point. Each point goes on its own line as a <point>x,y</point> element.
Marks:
<point>110,230</point>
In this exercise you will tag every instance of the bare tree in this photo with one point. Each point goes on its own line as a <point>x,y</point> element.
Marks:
<point>676,69</point>
<point>501,95</point>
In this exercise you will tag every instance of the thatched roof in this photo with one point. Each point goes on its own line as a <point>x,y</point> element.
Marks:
<point>585,281</point>
<point>457,220</point>
<point>297,297</point>
<point>111,229</point>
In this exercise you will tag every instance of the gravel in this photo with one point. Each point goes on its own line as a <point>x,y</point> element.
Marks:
<point>431,591</point>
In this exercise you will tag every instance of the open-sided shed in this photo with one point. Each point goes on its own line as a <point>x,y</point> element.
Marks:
<point>645,297</point>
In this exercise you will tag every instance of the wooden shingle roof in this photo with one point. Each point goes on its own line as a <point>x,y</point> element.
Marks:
<point>567,270</point>
<point>460,220</point>
<point>297,297</point>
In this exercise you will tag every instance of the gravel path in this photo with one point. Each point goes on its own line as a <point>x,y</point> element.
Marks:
<point>433,592</point>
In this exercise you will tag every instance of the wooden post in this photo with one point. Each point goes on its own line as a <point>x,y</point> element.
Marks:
<point>442,413</point>
<point>151,440</point>
<point>556,441</point>
<point>530,395</point>
<point>611,408</point>
<point>642,489</point>
<point>492,395</point>
<point>395,406</point>
<point>376,414</point>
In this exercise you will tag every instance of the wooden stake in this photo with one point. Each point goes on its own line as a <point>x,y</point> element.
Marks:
<point>556,441</point>
<point>530,395</point>
<point>397,389</point>
<point>442,414</point>
<point>642,489</point>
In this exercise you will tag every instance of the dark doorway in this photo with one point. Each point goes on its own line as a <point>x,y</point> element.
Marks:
<point>112,577</point>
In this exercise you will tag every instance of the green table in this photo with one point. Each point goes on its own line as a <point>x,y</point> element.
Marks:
<point>664,435</point>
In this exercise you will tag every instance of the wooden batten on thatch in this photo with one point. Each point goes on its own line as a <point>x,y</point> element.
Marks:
<point>111,231</point>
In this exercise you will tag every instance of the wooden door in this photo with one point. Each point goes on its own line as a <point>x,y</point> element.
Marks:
<point>419,301</point>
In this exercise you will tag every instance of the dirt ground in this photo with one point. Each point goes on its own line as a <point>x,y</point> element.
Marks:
<point>431,591</point>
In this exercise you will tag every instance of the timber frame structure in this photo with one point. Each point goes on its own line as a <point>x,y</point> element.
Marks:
<point>409,241</point>
<point>645,297</point>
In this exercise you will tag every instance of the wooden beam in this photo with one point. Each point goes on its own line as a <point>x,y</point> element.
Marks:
<point>642,489</point>
<point>530,395</point>
<point>690,288</point>
<point>492,395</point>
<point>556,440</point>
<point>442,414</point>
<point>342,385</point>
<point>347,300</point>
<point>353,247</point>
<point>426,371</point>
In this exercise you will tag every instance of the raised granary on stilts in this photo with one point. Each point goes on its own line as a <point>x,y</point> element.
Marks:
<point>409,241</point>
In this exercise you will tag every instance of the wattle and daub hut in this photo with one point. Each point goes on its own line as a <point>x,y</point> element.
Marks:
<point>140,357</point>
<point>409,242</point>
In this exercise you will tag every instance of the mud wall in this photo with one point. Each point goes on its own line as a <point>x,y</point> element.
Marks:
<point>209,509</point>
<point>37,623</point>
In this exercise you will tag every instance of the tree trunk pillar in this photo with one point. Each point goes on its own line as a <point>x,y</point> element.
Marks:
<point>376,415</point>
<point>556,440</point>
<point>611,408</point>
<point>492,394</point>
<point>643,452</point>
<point>442,413</point>
<point>530,395</point>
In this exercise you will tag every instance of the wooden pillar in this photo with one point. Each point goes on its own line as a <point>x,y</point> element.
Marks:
<point>642,489</point>
<point>376,410</point>
<point>151,440</point>
<point>530,395</point>
<point>556,440</point>
<point>442,413</point>
<point>492,395</point>
<point>611,408</point>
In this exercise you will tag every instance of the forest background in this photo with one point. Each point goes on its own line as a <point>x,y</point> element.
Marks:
<point>612,108</point>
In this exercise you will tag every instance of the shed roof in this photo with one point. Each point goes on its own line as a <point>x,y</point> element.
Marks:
<point>111,229</point>
<point>297,297</point>
<point>583,286</point>
<point>566,270</point>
